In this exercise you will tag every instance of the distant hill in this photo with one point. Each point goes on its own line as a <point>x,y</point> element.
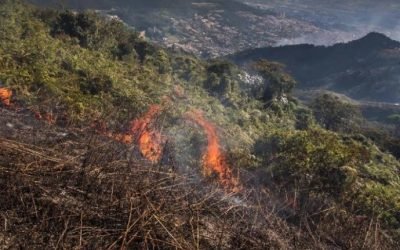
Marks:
<point>148,5</point>
<point>365,69</point>
<point>206,28</point>
<point>114,3</point>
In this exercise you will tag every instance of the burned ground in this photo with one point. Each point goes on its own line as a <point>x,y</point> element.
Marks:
<point>64,188</point>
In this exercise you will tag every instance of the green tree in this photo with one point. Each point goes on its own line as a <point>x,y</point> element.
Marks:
<point>395,120</point>
<point>304,118</point>
<point>334,114</point>
<point>277,82</point>
<point>220,77</point>
<point>82,26</point>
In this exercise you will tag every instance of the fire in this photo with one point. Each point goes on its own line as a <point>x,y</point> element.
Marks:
<point>214,161</point>
<point>142,132</point>
<point>124,138</point>
<point>150,141</point>
<point>5,96</point>
<point>44,116</point>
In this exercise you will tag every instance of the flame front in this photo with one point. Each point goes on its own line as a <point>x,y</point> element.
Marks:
<point>5,96</point>
<point>214,161</point>
<point>150,141</point>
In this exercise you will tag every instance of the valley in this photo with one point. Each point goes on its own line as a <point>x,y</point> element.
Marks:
<point>366,69</point>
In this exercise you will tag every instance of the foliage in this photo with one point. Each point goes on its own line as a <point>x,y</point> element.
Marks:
<point>304,118</point>
<point>395,120</point>
<point>277,82</point>
<point>365,69</point>
<point>320,165</point>
<point>74,74</point>
<point>334,114</point>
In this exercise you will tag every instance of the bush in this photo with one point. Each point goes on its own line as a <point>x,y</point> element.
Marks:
<point>324,167</point>
<point>304,118</point>
<point>336,115</point>
<point>277,83</point>
<point>96,85</point>
<point>220,80</point>
<point>81,26</point>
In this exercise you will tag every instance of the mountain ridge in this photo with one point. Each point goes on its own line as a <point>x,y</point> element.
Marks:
<point>364,69</point>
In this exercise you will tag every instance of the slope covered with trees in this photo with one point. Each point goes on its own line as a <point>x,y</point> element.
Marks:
<point>72,178</point>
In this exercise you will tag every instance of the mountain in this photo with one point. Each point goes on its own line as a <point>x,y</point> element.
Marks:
<point>208,29</point>
<point>365,69</point>
<point>220,27</point>
<point>92,4</point>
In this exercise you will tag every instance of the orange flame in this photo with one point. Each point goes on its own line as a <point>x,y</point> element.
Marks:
<point>45,116</point>
<point>150,141</point>
<point>124,138</point>
<point>141,131</point>
<point>5,96</point>
<point>214,160</point>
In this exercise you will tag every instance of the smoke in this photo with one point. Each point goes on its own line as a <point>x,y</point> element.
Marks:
<point>338,21</point>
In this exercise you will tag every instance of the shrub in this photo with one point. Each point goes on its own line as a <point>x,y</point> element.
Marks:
<point>336,115</point>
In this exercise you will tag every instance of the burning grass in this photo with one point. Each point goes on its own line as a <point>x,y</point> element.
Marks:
<point>68,188</point>
<point>214,161</point>
<point>150,141</point>
<point>5,96</point>
<point>82,190</point>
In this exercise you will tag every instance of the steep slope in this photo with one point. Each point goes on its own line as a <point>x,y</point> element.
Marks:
<point>365,69</point>
<point>109,141</point>
<point>68,188</point>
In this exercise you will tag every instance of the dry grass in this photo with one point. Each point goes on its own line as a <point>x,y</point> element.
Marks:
<point>68,189</point>
<point>111,202</point>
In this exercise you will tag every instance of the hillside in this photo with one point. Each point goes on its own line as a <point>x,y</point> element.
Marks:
<point>220,27</point>
<point>207,29</point>
<point>365,69</point>
<point>109,141</point>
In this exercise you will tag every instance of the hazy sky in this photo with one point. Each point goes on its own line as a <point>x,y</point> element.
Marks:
<point>353,18</point>
<point>341,20</point>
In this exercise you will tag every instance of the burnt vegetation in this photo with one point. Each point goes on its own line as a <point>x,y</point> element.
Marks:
<point>75,171</point>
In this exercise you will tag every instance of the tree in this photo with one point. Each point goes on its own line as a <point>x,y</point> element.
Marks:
<point>82,26</point>
<point>334,114</point>
<point>143,49</point>
<point>219,77</point>
<point>304,118</point>
<point>126,46</point>
<point>395,120</point>
<point>277,83</point>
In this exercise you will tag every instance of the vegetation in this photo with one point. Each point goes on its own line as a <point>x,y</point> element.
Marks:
<point>364,69</point>
<point>320,166</point>
<point>277,82</point>
<point>328,188</point>
<point>395,120</point>
<point>334,114</point>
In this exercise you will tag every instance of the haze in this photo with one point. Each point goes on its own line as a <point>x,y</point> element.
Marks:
<point>343,20</point>
<point>330,21</point>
